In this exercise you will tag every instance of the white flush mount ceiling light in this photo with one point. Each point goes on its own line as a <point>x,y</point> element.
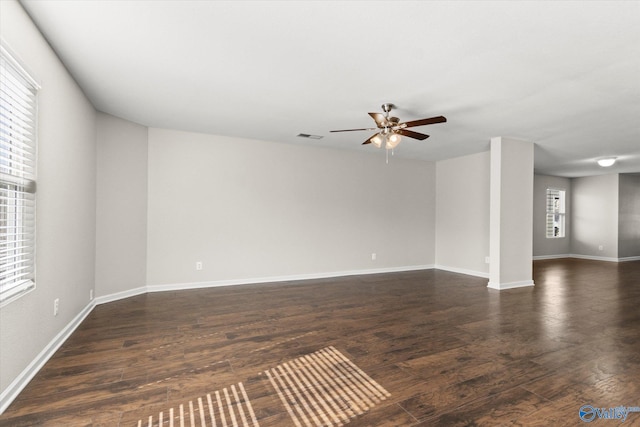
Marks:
<point>606,162</point>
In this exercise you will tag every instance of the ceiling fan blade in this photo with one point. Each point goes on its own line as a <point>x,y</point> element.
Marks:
<point>379,118</point>
<point>368,141</point>
<point>423,122</point>
<point>412,134</point>
<point>351,130</point>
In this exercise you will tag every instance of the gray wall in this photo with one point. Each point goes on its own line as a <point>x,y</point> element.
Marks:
<point>542,246</point>
<point>629,216</point>
<point>602,211</point>
<point>150,203</point>
<point>594,202</point>
<point>66,202</point>
<point>121,220</point>
<point>254,210</point>
<point>462,214</point>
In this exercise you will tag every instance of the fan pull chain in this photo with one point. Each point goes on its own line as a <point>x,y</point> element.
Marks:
<point>387,153</point>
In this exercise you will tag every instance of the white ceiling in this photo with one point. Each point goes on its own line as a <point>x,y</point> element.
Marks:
<point>564,75</point>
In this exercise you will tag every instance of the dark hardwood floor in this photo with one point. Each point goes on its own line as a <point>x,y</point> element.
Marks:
<point>447,350</point>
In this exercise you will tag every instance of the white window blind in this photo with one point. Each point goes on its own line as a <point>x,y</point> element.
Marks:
<point>555,213</point>
<point>17,179</point>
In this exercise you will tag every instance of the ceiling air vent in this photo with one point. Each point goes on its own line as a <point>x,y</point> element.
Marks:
<point>306,135</point>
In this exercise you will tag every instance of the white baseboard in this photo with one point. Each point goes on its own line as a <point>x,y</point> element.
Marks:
<point>274,279</point>
<point>594,258</point>
<point>120,295</point>
<point>17,385</point>
<point>510,285</point>
<point>589,257</point>
<point>559,256</point>
<point>463,271</point>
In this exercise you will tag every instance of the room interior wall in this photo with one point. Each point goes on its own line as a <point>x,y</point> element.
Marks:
<point>629,216</point>
<point>121,217</point>
<point>594,228</point>
<point>462,214</point>
<point>121,206</point>
<point>250,210</point>
<point>66,206</point>
<point>544,247</point>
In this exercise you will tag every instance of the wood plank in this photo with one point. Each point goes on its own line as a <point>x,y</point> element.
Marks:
<point>448,350</point>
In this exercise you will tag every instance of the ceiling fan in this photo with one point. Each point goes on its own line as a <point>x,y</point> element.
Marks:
<point>391,130</point>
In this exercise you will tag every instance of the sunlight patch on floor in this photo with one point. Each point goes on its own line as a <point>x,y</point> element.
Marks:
<point>229,407</point>
<point>324,388</point>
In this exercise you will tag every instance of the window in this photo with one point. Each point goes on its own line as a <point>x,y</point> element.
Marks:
<point>17,179</point>
<point>555,213</point>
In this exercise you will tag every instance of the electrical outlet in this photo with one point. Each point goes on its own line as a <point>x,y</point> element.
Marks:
<point>487,260</point>
<point>56,306</point>
<point>199,265</point>
<point>600,248</point>
<point>373,256</point>
<point>90,294</point>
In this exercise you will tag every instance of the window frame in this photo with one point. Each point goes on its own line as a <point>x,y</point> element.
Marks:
<point>18,177</point>
<point>556,213</point>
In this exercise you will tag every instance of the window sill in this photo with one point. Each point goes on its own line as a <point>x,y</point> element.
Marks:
<point>19,294</point>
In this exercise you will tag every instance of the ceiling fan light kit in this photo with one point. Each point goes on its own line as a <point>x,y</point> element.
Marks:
<point>391,130</point>
<point>390,140</point>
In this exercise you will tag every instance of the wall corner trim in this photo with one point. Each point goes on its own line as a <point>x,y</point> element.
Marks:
<point>11,392</point>
<point>510,285</point>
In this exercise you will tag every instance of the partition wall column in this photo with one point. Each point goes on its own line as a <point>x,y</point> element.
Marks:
<point>511,214</point>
